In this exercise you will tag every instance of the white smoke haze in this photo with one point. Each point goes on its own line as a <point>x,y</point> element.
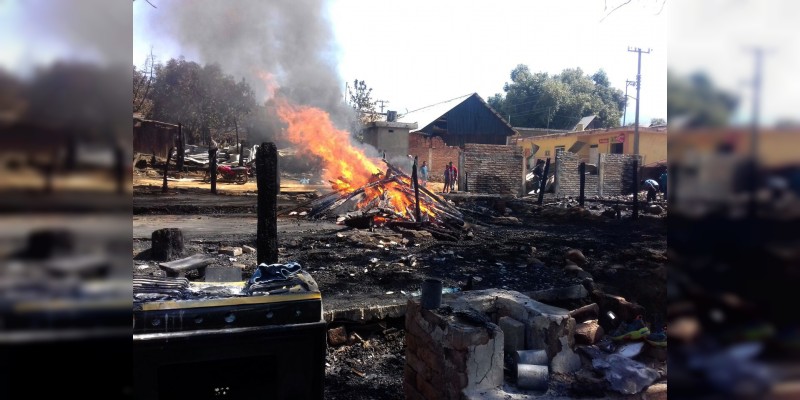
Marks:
<point>291,39</point>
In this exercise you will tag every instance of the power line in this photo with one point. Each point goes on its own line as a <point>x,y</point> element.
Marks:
<point>436,104</point>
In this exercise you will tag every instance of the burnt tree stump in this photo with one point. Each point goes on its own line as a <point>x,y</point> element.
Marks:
<point>268,187</point>
<point>167,244</point>
<point>49,243</point>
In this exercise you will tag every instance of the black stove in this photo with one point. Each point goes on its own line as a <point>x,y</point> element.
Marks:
<point>235,340</point>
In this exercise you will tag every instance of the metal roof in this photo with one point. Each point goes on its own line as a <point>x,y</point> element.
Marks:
<point>426,116</point>
<point>584,122</point>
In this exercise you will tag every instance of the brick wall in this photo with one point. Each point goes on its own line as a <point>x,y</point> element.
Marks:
<point>568,179</point>
<point>435,151</point>
<point>445,357</point>
<point>492,168</point>
<point>614,175</point>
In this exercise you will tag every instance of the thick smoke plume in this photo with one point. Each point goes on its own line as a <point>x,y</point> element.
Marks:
<point>291,39</point>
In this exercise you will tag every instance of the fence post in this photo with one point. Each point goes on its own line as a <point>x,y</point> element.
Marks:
<point>166,170</point>
<point>635,187</point>
<point>582,172</point>
<point>268,181</point>
<point>212,168</point>
<point>543,183</point>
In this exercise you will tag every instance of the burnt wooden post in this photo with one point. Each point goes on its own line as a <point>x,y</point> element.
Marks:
<point>268,182</point>
<point>166,244</point>
<point>416,189</point>
<point>181,149</point>
<point>582,172</point>
<point>166,170</point>
<point>635,187</point>
<point>543,183</point>
<point>241,153</point>
<point>466,181</point>
<point>212,168</point>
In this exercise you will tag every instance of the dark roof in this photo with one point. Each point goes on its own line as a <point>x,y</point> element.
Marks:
<point>471,116</point>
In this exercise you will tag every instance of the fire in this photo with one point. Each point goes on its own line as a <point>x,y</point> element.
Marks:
<point>312,130</point>
<point>347,167</point>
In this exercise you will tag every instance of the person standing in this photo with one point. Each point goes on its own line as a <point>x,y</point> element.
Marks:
<point>423,174</point>
<point>448,171</point>
<point>662,180</point>
<point>453,176</point>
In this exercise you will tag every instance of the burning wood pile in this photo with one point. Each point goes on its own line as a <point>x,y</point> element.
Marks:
<point>390,200</point>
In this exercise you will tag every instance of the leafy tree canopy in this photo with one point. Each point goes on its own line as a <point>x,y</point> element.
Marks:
<point>539,100</point>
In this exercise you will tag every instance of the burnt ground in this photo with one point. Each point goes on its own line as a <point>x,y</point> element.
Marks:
<point>524,252</point>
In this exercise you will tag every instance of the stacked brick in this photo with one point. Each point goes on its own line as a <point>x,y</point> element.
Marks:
<point>435,151</point>
<point>495,169</point>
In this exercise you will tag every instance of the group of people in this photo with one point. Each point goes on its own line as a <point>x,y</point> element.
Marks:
<point>450,176</point>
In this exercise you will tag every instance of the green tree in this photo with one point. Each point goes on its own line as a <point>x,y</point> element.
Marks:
<point>208,102</point>
<point>539,100</point>
<point>696,99</point>
<point>657,121</point>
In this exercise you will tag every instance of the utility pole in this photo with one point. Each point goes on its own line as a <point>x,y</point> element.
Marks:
<point>625,111</point>
<point>758,52</point>
<point>638,88</point>
<point>382,104</point>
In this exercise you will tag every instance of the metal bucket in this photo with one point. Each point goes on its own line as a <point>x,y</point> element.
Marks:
<point>532,376</point>
<point>531,357</point>
<point>431,294</point>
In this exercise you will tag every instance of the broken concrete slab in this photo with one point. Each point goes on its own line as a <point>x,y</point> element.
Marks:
<point>585,313</point>
<point>574,292</point>
<point>180,267</point>
<point>514,333</point>
<point>248,249</point>
<point>566,360</point>
<point>230,251</point>
<point>588,332</point>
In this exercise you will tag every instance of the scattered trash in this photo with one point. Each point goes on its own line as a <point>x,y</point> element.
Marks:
<point>630,350</point>
<point>373,260</point>
<point>390,292</point>
<point>625,375</point>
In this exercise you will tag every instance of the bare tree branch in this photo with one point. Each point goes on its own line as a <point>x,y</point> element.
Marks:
<point>615,9</point>
<point>148,2</point>
<point>662,7</point>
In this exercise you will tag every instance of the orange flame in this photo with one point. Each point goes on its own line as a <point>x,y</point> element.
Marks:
<point>346,166</point>
<point>312,130</point>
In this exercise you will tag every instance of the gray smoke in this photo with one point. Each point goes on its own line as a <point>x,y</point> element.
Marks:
<point>292,39</point>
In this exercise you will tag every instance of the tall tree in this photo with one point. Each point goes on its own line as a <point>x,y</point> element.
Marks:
<point>208,102</point>
<point>696,99</point>
<point>539,100</point>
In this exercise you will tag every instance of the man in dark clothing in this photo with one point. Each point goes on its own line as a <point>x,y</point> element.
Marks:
<point>652,188</point>
<point>453,176</point>
<point>448,175</point>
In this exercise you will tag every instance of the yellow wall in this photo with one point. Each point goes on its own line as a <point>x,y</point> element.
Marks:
<point>775,147</point>
<point>652,145</point>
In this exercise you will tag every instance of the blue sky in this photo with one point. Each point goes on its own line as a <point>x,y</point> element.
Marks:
<point>414,53</point>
